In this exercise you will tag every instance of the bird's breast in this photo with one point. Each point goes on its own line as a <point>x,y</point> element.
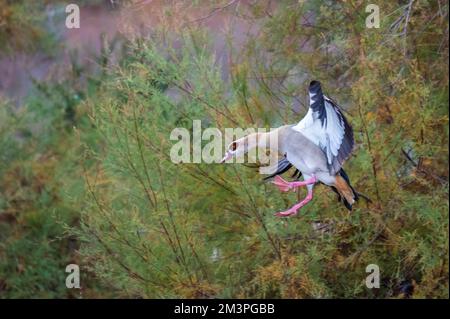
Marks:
<point>301,163</point>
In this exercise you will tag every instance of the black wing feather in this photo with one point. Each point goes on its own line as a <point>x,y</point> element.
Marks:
<point>282,166</point>
<point>317,101</point>
<point>347,143</point>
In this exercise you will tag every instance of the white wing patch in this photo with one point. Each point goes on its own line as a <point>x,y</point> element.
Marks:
<point>327,135</point>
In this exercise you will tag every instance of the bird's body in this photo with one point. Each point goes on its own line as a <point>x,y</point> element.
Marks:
<point>317,147</point>
<point>307,157</point>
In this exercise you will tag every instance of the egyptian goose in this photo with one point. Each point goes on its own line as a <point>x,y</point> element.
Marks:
<point>317,147</point>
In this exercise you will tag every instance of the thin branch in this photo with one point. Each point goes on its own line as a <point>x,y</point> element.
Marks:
<point>213,12</point>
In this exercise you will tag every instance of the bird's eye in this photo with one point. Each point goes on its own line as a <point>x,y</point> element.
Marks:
<point>233,146</point>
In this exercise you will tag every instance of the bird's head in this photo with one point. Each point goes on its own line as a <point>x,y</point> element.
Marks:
<point>243,145</point>
<point>235,149</point>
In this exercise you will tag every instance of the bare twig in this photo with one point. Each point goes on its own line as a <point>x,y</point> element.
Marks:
<point>213,12</point>
<point>405,28</point>
<point>423,170</point>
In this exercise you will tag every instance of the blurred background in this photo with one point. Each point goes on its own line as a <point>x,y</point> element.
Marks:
<point>85,171</point>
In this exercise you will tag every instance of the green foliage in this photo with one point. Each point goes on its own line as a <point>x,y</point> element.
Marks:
<point>38,153</point>
<point>154,234</point>
<point>27,26</point>
<point>22,26</point>
<point>97,164</point>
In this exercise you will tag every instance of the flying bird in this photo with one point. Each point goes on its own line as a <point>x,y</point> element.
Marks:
<point>317,147</point>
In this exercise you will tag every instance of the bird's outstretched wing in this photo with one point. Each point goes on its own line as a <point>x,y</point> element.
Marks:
<point>326,126</point>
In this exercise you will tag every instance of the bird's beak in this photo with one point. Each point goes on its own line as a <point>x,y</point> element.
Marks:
<point>227,156</point>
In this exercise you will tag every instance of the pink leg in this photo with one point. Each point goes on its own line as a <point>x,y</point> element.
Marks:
<point>286,186</point>
<point>293,210</point>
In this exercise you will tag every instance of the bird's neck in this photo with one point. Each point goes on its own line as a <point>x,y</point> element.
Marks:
<point>267,140</point>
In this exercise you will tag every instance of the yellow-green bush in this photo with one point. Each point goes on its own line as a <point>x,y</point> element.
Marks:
<point>146,227</point>
<point>154,225</point>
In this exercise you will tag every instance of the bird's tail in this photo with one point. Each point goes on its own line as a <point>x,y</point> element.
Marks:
<point>345,189</point>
